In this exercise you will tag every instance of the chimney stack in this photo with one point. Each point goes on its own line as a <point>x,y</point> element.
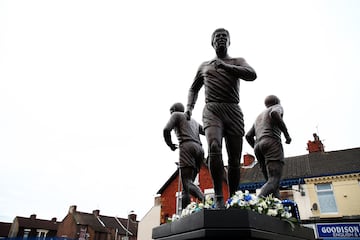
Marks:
<point>72,209</point>
<point>157,200</point>
<point>33,216</point>
<point>132,216</point>
<point>316,145</point>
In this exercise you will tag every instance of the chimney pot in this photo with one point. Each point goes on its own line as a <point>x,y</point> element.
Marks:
<point>316,145</point>
<point>72,209</point>
<point>96,212</point>
<point>132,216</point>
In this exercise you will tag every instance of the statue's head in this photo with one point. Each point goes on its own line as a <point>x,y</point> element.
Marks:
<point>271,100</point>
<point>177,107</point>
<point>220,36</point>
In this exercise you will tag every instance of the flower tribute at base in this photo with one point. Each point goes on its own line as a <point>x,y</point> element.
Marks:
<point>270,206</point>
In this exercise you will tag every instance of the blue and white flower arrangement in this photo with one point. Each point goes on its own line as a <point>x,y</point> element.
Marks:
<point>269,205</point>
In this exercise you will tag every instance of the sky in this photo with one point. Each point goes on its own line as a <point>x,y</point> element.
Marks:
<point>86,87</point>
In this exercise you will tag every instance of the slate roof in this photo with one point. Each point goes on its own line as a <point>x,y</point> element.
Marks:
<point>82,218</point>
<point>4,229</point>
<point>297,168</point>
<point>315,164</point>
<point>120,224</point>
<point>37,223</point>
<point>103,223</point>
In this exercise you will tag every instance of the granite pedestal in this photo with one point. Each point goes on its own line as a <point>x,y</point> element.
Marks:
<point>230,224</point>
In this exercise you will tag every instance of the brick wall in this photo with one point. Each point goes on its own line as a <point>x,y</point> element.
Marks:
<point>168,197</point>
<point>67,228</point>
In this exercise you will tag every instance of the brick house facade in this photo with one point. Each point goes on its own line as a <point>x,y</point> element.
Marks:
<point>75,226</point>
<point>169,191</point>
<point>93,226</point>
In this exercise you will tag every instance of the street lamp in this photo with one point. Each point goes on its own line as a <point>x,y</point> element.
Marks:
<point>178,192</point>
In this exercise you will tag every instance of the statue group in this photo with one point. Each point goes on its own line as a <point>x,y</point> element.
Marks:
<point>222,119</point>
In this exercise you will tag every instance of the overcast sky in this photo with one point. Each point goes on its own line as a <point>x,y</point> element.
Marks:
<point>86,86</point>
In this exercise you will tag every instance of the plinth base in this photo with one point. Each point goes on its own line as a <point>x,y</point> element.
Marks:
<point>230,224</point>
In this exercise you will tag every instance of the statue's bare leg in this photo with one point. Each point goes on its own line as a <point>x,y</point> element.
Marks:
<point>234,149</point>
<point>274,169</point>
<point>216,165</point>
<point>188,175</point>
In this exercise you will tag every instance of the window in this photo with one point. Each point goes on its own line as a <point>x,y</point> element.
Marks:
<point>26,233</point>
<point>326,198</point>
<point>41,233</point>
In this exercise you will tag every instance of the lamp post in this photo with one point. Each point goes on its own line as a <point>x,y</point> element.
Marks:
<point>178,192</point>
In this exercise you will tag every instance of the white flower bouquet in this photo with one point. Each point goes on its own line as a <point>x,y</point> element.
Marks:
<point>196,206</point>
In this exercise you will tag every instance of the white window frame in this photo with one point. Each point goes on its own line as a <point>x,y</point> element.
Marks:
<point>26,233</point>
<point>331,197</point>
<point>40,232</point>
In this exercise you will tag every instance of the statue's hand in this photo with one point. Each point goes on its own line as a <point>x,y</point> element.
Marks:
<point>173,147</point>
<point>288,140</point>
<point>218,63</point>
<point>188,114</point>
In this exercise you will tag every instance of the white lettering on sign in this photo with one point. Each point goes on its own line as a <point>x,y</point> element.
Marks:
<point>342,231</point>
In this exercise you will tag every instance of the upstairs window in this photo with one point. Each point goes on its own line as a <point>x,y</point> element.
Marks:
<point>326,198</point>
<point>41,233</point>
<point>26,233</point>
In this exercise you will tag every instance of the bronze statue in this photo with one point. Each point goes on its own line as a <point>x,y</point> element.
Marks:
<point>222,116</point>
<point>265,137</point>
<point>191,151</point>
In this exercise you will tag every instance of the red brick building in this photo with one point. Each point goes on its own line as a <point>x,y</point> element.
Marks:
<point>170,189</point>
<point>93,226</point>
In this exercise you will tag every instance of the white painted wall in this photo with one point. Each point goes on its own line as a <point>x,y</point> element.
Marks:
<point>148,222</point>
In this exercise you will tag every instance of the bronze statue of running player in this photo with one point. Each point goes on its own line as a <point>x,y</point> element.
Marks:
<point>265,137</point>
<point>191,153</point>
<point>222,116</point>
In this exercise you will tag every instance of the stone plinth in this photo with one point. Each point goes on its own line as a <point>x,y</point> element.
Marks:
<point>230,224</point>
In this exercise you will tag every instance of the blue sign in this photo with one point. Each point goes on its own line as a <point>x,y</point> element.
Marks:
<point>338,230</point>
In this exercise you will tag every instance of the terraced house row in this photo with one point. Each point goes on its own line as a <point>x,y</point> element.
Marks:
<point>75,225</point>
